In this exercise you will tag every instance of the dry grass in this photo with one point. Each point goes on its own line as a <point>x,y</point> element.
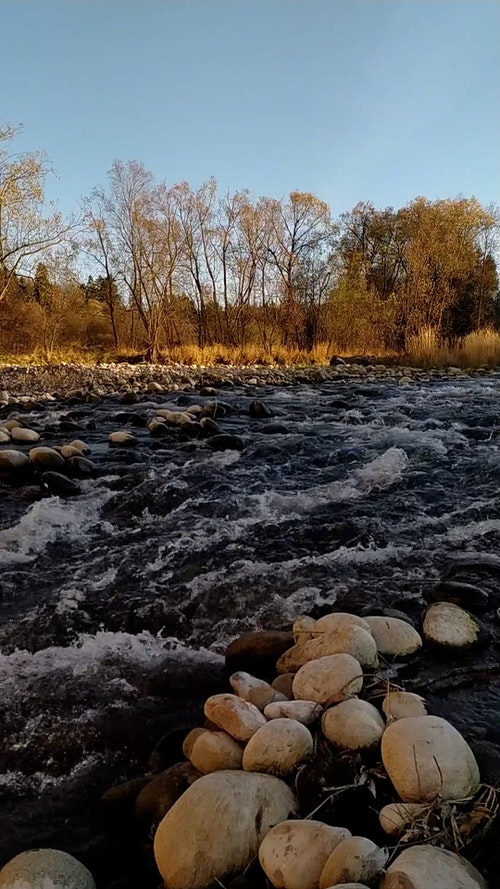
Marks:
<point>478,349</point>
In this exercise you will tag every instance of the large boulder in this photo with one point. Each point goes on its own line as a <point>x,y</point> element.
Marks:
<point>426,757</point>
<point>429,867</point>
<point>394,637</point>
<point>45,869</point>
<point>293,853</point>
<point>328,680</point>
<point>215,829</point>
<point>237,717</point>
<point>278,747</point>
<point>353,725</point>
<point>356,860</point>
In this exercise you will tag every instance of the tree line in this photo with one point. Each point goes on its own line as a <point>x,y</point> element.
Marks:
<point>147,267</point>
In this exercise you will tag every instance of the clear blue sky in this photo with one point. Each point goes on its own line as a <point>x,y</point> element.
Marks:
<point>377,100</point>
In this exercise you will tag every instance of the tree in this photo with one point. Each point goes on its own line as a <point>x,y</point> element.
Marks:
<point>25,232</point>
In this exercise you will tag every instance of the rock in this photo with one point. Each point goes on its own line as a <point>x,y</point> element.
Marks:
<point>429,867</point>
<point>283,684</point>
<point>242,683</point>
<point>293,853</point>
<point>278,747</point>
<point>4,436</point>
<point>257,651</point>
<point>426,757</point>
<point>261,697</point>
<point>48,458</point>
<point>216,827</point>
<point>11,424</point>
<point>353,725</point>
<point>80,446</point>
<point>120,798</point>
<point>301,629</point>
<point>258,410</point>
<point>19,433</point>
<point>59,485</point>
<point>328,680</point>
<point>210,427</point>
<point>237,717</point>
<point>339,620</point>
<point>45,869</point>
<point>355,859</point>
<point>396,818</point>
<point>159,795</point>
<point>394,637</point>
<point>349,886</point>
<point>13,460</point>
<point>81,467</point>
<point>122,438</point>
<point>214,751</point>
<point>449,625</point>
<point>305,712</point>
<point>467,595</point>
<point>348,639</point>
<point>225,442</point>
<point>401,704</point>
<point>190,739</point>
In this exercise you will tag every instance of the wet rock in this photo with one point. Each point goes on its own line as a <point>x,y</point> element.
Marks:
<point>396,818</point>
<point>208,390</point>
<point>226,442</point>
<point>4,436</point>
<point>20,433</point>
<point>257,652</point>
<point>278,747</point>
<point>401,704</point>
<point>12,460</point>
<point>80,446</point>
<point>353,725</point>
<point>394,637</point>
<point>237,717</point>
<point>426,757</point>
<point>305,712</point>
<point>450,626</point>
<point>328,680</point>
<point>60,485</point>
<point>193,849</point>
<point>159,795</point>
<point>81,467</point>
<point>122,437</point>
<point>209,426</point>
<point>355,859</point>
<point>427,867</point>
<point>302,629</point>
<point>258,410</point>
<point>467,595</point>
<point>293,853</point>
<point>120,799</point>
<point>40,868</point>
<point>48,458</point>
<point>214,751</point>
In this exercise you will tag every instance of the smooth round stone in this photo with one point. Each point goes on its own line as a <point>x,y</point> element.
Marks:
<point>449,625</point>
<point>278,747</point>
<point>45,869</point>
<point>328,680</point>
<point>237,717</point>
<point>401,704</point>
<point>189,740</point>
<point>59,485</point>
<point>80,446</point>
<point>4,437</point>
<point>11,459</point>
<point>339,620</point>
<point>122,438</point>
<point>302,629</point>
<point>70,451</point>
<point>162,791</point>
<point>261,697</point>
<point>396,818</point>
<point>11,424</point>
<point>216,827</point>
<point>305,712</point>
<point>348,639</point>
<point>353,725</point>
<point>293,853</point>
<point>80,466</point>
<point>214,751</point>
<point>46,457</point>
<point>20,433</point>
<point>394,637</point>
<point>426,757</point>
<point>242,684</point>
<point>355,859</point>
<point>429,867</point>
<point>283,684</point>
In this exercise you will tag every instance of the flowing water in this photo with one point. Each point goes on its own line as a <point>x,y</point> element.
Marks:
<point>115,606</point>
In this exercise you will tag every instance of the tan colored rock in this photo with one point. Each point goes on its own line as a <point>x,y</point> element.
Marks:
<point>237,717</point>
<point>293,853</point>
<point>394,636</point>
<point>450,626</point>
<point>426,757</point>
<point>283,684</point>
<point>301,629</point>
<point>69,451</point>
<point>214,751</point>
<point>353,725</point>
<point>80,445</point>
<point>261,697</point>
<point>429,867</point>
<point>396,818</point>
<point>216,827</point>
<point>45,869</point>
<point>339,620</point>
<point>189,740</point>
<point>329,680</point>
<point>242,684</point>
<point>122,437</point>
<point>20,433</point>
<point>278,747</point>
<point>162,791</point>
<point>401,704</point>
<point>4,436</point>
<point>48,458</point>
<point>305,712</point>
<point>11,424</point>
<point>349,639</point>
<point>355,859</point>
<point>11,459</point>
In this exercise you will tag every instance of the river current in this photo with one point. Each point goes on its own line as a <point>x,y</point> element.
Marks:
<point>116,606</point>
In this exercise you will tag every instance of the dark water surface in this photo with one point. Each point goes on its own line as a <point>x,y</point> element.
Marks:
<point>116,606</point>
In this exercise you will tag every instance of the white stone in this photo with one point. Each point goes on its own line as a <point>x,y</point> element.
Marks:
<point>122,437</point>
<point>45,869</point>
<point>426,757</point>
<point>46,457</point>
<point>339,620</point>
<point>20,433</point>
<point>401,704</point>
<point>449,625</point>
<point>394,636</point>
<point>293,853</point>
<point>305,712</point>
<point>4,437</point>
<point>11,459</point>
<point>11,424</point>
<point>216,827</point>
<point>328,680</point>
<point>355,859</point>
<point>278,747</point>
<point>353,725</point>
<point>242,683</point>
<point>237,717</point>
<point>396,818</point>
<point>429,867</point>
<point>214,751</point>
<point>348,639</point>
